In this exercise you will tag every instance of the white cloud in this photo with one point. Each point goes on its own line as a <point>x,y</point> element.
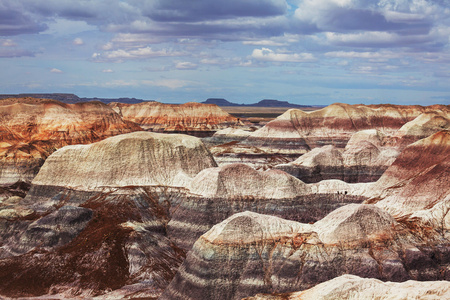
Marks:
<point>135,38</point>
<point>264,43</point>
<point>137,53</point>
<point>367,55</point>
<point>374,39</point>
<point>108,46</point>
<point>54,70</point>
<point>211,61</point>
<point>266,54</point>
<point>186,65</point>
<point>78,42</point>
<point>168,83</point>
<point>107,71</point>
<point>8,43</point>
<point>121,83</point>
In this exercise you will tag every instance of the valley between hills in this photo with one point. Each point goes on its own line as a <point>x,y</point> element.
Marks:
<point>146,200</point>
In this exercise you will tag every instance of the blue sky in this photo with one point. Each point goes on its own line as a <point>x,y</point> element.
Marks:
<point>302,51</point>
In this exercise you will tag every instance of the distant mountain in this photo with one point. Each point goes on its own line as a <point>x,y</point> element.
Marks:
<point>262,103</point>
<point>220,102</point>
<point>65,98</point>
<point>275,103</point>
<point>72,98</point>
<point>121,100</point>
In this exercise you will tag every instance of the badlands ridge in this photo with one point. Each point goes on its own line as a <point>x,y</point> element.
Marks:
<point>347,201</point>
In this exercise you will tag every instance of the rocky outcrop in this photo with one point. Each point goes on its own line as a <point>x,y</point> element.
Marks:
<point>192,118</point>
<point>355,287</point>
<point>297,131</point>
<point>423,126</point>
<point>319,164</point>
<point>418,179</point>
<point>31,129</point>
<point>364,159</point>
<point>135,159</point>
<point>251,253</point>
<point>217,193</point>
<point>86,229</point>
<point>107,241</point>
<point>228,135</point>
<point>240,181</point>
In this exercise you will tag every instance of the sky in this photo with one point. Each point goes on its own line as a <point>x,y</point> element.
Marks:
<point>307,52</point>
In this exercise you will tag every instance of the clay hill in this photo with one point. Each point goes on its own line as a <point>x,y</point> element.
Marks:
<point>100,226</point>
<point>184,118</point>
<point>31,129</point>
<point>354,287</point>
<point>297,131</point>
<point>217,193</point>
<point>362,140</point>
<point>403,236</point>
<point>366,155</point>
<point>416,185</point>
<point>364,159</point>
<point>250,253</point>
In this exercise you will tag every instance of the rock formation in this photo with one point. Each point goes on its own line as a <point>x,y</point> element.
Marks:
<point>31,129</point>
<point>364,159</point>
<point>354,287</point>
<point>86,229</point>
<point>228,135</point>
<point>297,131</point>
<point>250,253</point>
<point>423,126</point>
<point>217,193</point>
<point>418,179</point>
<point>170,160</point>
<point>182,118</point>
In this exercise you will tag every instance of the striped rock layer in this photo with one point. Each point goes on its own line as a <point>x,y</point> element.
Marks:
<point>298,131</point>
<point>354,287</point>
<point>250,253</point>
<point>183,118</point>
<point>95,218</point>
<point>364,159</point>
<point>217,193</point>
<point>31,129</point>
<point>417,185</point>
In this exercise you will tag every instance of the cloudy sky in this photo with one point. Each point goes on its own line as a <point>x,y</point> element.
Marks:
<point>302,51</point>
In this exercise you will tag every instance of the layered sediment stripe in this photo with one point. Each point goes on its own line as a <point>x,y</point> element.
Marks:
<point>333,124</point>
<point>250,253</point>
<point>162,117</point>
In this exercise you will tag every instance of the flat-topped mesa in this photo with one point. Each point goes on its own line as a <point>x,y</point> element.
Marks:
<point>189,117</point>
<point>31,129</point>
<point>418,179</point>
<point>217,193</point>
<point>364,159</point>
<point>297,130</point>
<point>354,287</point>
<point>249,253</point>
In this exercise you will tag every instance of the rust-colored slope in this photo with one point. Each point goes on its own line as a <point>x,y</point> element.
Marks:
<point>335,124</point>
<point>418,179</point>
<point>31,129</point>
<point>175,118</point>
